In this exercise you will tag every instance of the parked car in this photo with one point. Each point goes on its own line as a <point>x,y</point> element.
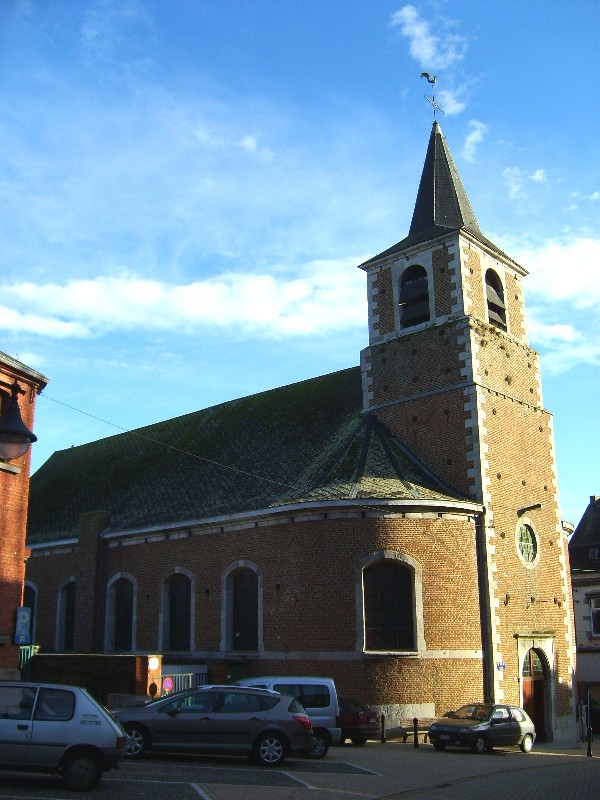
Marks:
<point>58,729</point>
<point>483,726</point>
<point>318,696</point>
<point>220,719</point>
<point>358,722</point>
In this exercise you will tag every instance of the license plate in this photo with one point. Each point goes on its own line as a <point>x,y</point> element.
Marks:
<point>444,736</point>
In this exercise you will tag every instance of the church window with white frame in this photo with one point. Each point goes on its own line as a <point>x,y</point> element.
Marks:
<point>177,613</point>
<point>389,606</point>
<point>527,544</point>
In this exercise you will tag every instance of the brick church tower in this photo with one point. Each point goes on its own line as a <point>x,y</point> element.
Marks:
<point>449,370</point>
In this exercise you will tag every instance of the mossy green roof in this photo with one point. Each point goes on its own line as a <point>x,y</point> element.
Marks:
<point>304,442</point>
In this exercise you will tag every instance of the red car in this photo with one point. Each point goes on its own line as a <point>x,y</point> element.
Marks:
<point>358,722</point>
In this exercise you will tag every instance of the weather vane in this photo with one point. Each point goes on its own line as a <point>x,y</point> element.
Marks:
<point>431,99</point>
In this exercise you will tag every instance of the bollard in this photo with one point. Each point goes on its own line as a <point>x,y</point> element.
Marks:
<point>589,740</point>
<point>383,729</point>
<point>415,732</point>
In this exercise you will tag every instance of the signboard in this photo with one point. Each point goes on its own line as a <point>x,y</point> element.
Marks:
<point>168,684</point>
<point>23,623</point>
<point>501,665</point>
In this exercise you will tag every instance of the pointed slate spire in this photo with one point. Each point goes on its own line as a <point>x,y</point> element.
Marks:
<point>442,204</point>
<point>442,201</point>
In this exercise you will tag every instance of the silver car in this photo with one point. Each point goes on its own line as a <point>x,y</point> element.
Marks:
<point>58,729</point>
<point>264,725</point>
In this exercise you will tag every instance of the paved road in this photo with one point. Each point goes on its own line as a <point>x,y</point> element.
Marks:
<point>391,771</point>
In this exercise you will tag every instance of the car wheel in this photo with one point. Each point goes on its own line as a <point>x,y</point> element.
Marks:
<point>358,740</point>
<point>439,745</point>
<point>479,745</point>
<point>81,772</point>
<point>137,741</point>
<point>526,743</point>
<point>269,750</point>
<point>321,745</point>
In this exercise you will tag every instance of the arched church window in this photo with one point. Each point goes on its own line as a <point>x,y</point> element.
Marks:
<point>389,606</point>
<point>414,297</point>
<point>244,609</point>
<point>65,629</point>
<point>120,615</point>
<point>495,300</point>
<point>177,613</point>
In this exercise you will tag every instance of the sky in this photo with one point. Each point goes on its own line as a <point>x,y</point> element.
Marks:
<point>187,188</point>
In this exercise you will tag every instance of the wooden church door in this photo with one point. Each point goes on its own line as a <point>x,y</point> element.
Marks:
<point>534,691</point>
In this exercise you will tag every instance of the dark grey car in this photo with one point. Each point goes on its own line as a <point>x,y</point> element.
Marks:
<point>483,726</point>
<point>220,719</point>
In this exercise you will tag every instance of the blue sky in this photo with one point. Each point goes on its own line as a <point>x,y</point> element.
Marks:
<point>186,189</point>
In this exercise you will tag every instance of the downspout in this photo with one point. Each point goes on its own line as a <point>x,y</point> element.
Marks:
<point>485,613</point>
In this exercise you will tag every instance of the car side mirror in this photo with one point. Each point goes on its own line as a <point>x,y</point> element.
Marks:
<point>173,712</point>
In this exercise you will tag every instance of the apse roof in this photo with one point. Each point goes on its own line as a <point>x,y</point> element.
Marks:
<point>300,443</point>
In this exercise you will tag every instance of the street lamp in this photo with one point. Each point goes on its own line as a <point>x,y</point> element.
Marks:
<point>15,436</point>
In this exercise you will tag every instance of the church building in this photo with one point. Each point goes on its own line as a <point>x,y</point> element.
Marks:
<point>395,526</point>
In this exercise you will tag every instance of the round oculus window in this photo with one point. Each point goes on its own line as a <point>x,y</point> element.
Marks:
<point>527,544</point>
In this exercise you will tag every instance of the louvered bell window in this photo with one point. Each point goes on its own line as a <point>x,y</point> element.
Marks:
<point>414,297</point>
<point>495,300</point>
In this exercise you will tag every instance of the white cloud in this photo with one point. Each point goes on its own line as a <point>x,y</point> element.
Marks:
<point>451,102</point>
<point>564,271</point>
<point>516,180</point>
<point>474,139</point>
<point>563,295</point>
<point>427,48</point>
<point>321,297</point>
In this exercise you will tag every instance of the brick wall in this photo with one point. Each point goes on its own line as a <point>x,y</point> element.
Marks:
<point>14,493</point>
<point>309,569</point>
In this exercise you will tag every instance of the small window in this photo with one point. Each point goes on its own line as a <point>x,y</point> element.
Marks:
<point>527,544</point>
<point>595,615</point>
<point>16,702</point>
<point>55,705</point>
<point>235,703</point>
<point>200,703</point>
<point>495,300</point>
<point>308,695</point>
<point>414,297</point>
<point>517,715</point>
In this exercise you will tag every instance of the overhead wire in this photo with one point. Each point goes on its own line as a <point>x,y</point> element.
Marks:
<point>169,446</point>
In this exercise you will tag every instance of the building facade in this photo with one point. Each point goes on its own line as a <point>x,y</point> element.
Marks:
<point>395,526</point>
<point>18,380</point>
<point>584,555</point>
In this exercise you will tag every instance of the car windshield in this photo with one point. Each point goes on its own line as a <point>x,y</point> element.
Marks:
<point>479,711</point>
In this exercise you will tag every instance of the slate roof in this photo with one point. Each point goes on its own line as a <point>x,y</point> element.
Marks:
<point>442,204</point>
<point>586,540</point>
<point>304,442</point>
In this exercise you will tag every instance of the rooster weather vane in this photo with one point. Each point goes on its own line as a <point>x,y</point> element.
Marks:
<point>431,99</point>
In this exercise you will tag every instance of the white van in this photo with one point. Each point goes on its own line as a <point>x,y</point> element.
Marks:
<point>47,727</point>
<point>319,698</point>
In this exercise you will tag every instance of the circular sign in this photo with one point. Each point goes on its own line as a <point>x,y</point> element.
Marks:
<point>167,684</point>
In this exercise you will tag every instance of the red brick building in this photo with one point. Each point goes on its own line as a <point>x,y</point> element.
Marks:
<point>395,526</point>
<point>14,490</point>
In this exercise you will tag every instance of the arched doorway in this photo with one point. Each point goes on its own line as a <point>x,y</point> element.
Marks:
<point>534,689</point>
